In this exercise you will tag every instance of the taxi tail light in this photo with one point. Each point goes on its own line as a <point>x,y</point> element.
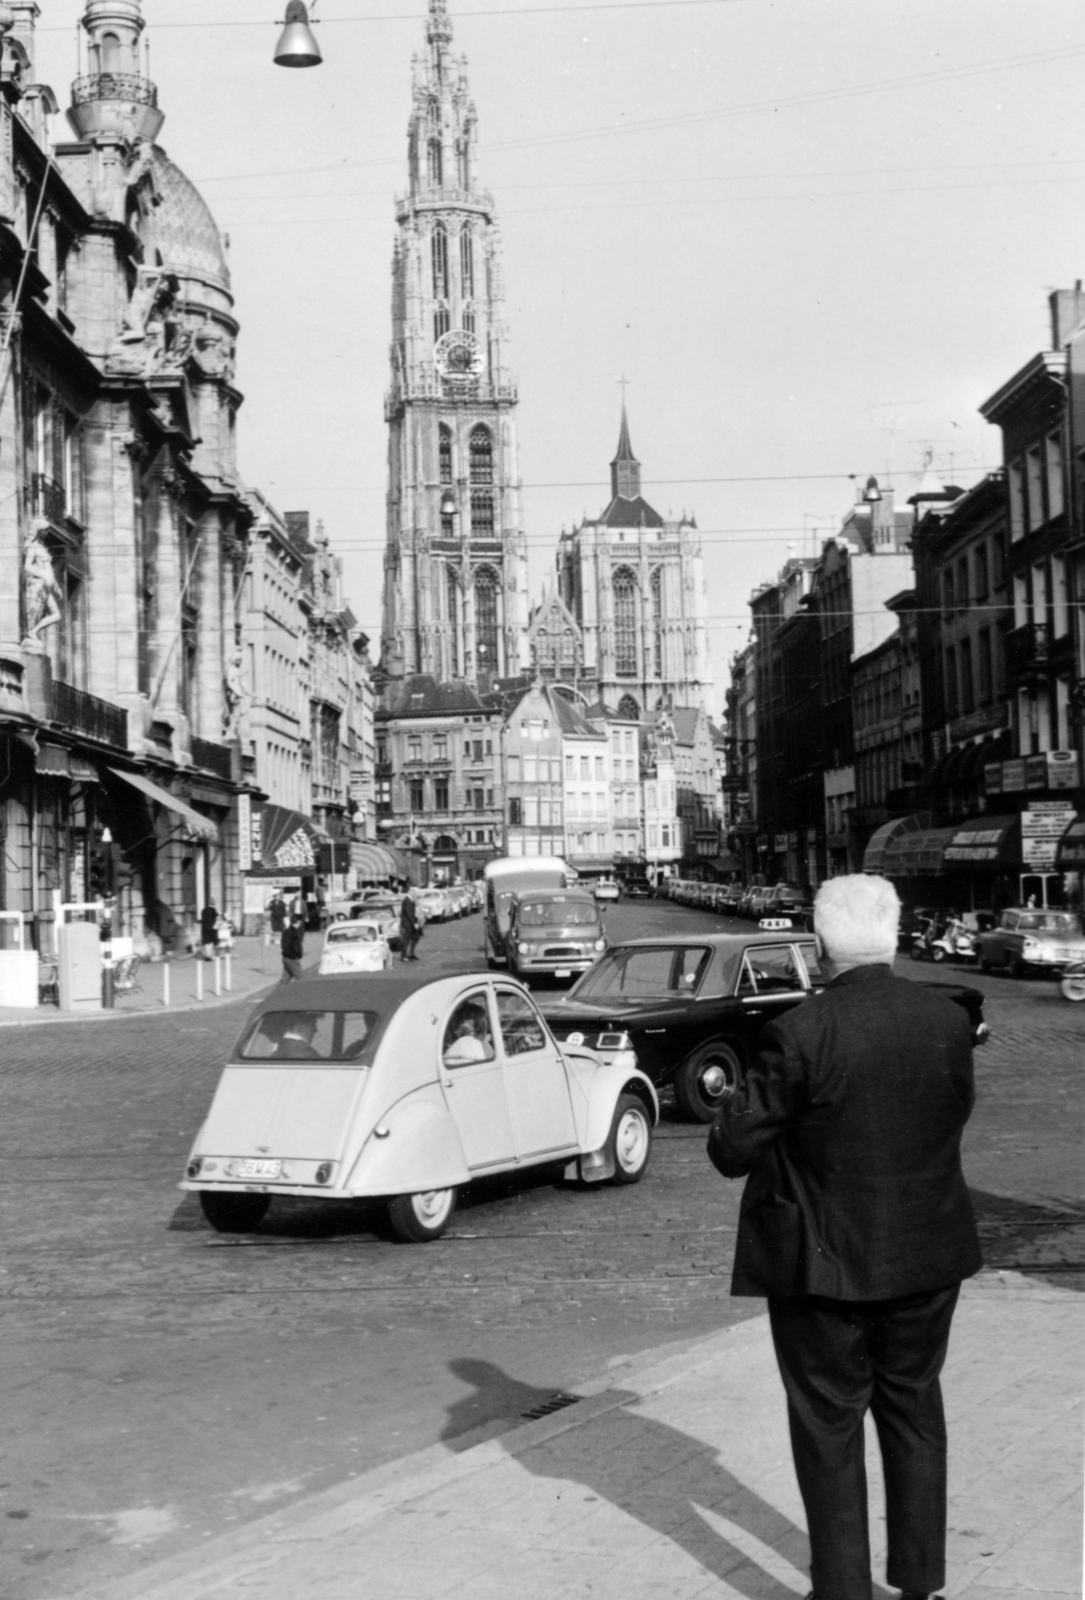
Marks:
<point>324,1172</point>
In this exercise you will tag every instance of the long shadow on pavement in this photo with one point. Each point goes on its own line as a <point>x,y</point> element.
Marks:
<point>672,1483</point>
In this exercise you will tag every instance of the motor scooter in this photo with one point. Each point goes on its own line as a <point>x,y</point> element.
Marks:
<point>1072,982</point>
<point>952,942</point>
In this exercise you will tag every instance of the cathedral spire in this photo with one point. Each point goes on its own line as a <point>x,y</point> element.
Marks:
<point>625,468</point>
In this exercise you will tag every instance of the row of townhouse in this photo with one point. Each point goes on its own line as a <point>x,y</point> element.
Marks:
<point>184,696</point>
<point>912,700</point>
<point>528,769</point>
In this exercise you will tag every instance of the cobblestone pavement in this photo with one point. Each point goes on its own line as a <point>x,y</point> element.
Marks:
<point>163,1383</point>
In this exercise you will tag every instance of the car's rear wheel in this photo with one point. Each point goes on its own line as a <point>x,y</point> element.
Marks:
<point>706,1081</point>
<point>1073,986</point>
<point>234,1213</point>
<point>630,1142</point>
<point>418,1218</point>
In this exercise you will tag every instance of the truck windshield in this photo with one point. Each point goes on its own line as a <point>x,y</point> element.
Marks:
<point>558,913</point>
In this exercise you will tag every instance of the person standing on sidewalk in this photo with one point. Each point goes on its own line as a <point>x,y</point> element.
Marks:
<point>292,945</point>
<point>410,929</point>
<point>209,933</point>
<point>857,1226</point>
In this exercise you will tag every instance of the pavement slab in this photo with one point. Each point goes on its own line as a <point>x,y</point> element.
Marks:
<point>673,1476</point>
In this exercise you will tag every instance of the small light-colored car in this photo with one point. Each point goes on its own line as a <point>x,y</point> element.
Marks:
<point>1026,937</point>
<point>432,904</point>
<point>385,913</point>
<point>355,947</point>
<point>607,889</point>
<point>403,1091</point>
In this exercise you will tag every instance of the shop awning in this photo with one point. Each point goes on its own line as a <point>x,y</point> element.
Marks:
<point>985,842</point>
<point>372,863</point>
<point>199,827</point>
<point>918,855</point>
<point>880,841</point>
<point>290,840</point>
<point>1071,854</point>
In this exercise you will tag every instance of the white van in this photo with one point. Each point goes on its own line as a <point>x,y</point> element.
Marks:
<point>507,878</point>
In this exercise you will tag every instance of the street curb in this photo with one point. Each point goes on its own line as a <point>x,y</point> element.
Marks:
<point>240,1554</point>
<point>215,1003</point>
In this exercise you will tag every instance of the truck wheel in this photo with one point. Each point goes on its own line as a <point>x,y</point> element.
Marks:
<point>234,1213</point>
<point>630,1141</point>
<point>418,1218</point>
<point>704,1082</point>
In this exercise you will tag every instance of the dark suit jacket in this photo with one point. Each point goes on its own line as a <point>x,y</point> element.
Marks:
<point>849,1123</point>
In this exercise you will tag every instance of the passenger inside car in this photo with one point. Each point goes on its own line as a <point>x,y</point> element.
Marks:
<point>468,1037</point>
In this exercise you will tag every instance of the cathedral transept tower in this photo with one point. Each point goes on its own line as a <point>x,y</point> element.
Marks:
<point>455,598</point>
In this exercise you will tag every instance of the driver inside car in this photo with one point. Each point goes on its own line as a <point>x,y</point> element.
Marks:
<point>467,1037</point>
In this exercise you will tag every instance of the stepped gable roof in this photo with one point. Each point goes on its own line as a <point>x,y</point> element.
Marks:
<point>637,513</point>
<point>184,229</point>
<point>421,695</point>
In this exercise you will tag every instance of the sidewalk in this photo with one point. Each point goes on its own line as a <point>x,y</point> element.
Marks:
<point>673,1480</point>
<point>253,968</point>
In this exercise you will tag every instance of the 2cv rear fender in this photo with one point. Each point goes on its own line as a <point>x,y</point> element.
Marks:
<point>413,1147</point>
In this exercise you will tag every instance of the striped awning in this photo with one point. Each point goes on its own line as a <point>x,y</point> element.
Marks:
<point>372,862</point>
<point>199,827</point>
<point>290,840</point>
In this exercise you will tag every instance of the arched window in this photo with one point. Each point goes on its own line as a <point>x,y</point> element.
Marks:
<point>482,513</point>
<point>441,323</point>
<point>544,650</point>
<point>111,53</point>
<point>482,455</point>
<point>444,453</point>
<point>467,264</point>
<point>463,162</point>
<point>469,318</point>
<point>628,708</point>
<point>568,648</point>
<point>452,592</point>
<point>433,150</point>
<point>657,622</point>
<point>439,253</point>
<point>625,623</point>
<point>486,619</point>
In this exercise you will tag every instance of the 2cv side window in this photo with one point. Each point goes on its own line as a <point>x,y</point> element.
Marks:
<point>521,1030</point>
<point>771,969</point>
<point>469,1036</point>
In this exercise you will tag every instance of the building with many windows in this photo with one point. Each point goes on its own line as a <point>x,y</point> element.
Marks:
<point>634,583</point>
<point>534,783</point>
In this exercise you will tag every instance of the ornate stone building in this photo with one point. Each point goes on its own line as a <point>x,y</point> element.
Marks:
<point>455,601</point>
<point>635,585</point>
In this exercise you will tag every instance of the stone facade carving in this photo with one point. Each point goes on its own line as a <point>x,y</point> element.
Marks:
<point>42,594</point>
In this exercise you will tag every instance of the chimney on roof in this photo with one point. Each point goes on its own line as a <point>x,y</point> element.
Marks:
<point>1067,314</point>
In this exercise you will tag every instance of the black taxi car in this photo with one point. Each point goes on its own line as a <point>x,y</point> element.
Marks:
<point>692,1006</point>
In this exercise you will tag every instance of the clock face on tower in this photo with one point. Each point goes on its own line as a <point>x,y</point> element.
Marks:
<point>458,357</point>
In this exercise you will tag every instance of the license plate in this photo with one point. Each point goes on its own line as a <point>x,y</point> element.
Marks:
<point>258,1169</point>
<point>564,972</point>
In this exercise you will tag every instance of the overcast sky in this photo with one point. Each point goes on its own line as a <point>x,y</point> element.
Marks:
<point>813,235</point>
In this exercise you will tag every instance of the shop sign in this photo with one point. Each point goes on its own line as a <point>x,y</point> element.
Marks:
<point>259,891</point>
<point>1013,776</point>
<point>256,836</point>
<point>1036,772</point>
<point>1073,845</point>
<point>992,777</point>
<point>1062,769</point>
<point>1041,831</point>
<point>244,832</point>
<point>974,844</point>
<point>359,784</point>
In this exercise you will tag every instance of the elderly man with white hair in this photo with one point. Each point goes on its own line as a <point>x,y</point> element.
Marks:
<point>857,1225</point>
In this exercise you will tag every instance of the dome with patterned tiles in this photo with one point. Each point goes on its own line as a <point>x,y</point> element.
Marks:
<point>184,230</point>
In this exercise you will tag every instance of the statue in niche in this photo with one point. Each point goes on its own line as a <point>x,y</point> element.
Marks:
<point>42,595</point>
<point>235,691</point>
<point>212,352</point>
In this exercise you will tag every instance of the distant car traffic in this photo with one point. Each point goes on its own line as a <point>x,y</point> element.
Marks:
<point>355,947</point>
<point>404,1091</point>
<point>1025,938</point>
<point>693,1006</point>
<point>606,889</point>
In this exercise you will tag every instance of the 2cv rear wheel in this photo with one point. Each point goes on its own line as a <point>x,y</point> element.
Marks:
<point>234,1213</point>
<point>418,1218</point>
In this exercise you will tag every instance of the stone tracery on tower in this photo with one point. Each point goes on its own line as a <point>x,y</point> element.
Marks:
<point>455,598</point>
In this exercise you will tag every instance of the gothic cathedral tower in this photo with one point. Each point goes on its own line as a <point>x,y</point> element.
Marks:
<point>455,596</point>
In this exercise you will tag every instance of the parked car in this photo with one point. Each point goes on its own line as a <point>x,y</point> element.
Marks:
<point>432,904</point>
<point>555,931</point>
<point>607,890</point>
<point>637,889</point>
<point>1047,941</point>
<point>355,947</point>
<point>403,1091</point>
<point>692,1006</point>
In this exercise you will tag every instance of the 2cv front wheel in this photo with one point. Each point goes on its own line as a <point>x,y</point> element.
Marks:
<point>418,1218</point>
<point>630,1139</point>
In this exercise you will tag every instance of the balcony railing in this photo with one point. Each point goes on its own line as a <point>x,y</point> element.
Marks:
<point>216,758</point>
<point>83,713</point>
<point>114,86</point>
<point>47,499</point>
<point>1027,647</point>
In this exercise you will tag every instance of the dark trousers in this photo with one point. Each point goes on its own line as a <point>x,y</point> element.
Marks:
<point>836,1359</point>
<point>408,942</point>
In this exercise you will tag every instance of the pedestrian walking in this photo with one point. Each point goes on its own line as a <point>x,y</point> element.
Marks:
<point>292,945</point>
<point>209,935</point>
<point>276,914</point>
<point>410,929</point>
<point>857,1225</point>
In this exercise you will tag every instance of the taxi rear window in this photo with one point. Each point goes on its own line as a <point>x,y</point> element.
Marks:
<point>310,1036</point>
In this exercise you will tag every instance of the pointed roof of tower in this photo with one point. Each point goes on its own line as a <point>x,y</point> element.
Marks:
<point>625,449</point>
<point>627,508</point>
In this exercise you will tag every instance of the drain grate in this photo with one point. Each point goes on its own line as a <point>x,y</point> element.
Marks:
<point>557,1402</point>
